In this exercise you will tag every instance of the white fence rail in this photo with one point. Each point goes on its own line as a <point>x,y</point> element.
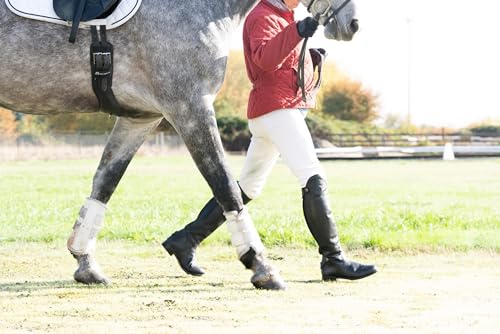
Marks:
<point>78,146</point>
<point>407,152</point>
<point>84,145</point>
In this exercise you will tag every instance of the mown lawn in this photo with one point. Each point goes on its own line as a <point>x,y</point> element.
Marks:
<point>410,205</point>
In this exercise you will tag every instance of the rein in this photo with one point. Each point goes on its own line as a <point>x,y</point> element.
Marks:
<point>302,57</point>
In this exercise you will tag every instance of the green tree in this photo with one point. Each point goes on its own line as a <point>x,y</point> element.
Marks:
<point>395,122</point>
<point>234,133</point>
<point>486,129</point>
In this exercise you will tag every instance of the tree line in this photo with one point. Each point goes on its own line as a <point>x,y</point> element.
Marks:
<point>343,105</point>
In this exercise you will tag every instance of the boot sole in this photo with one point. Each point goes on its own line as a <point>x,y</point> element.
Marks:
<point>334,278</point>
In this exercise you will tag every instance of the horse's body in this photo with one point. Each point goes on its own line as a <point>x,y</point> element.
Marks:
<point>170,61</point>
<point>162,38</point>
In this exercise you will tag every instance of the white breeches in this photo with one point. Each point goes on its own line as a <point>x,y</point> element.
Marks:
<point>282,132</point>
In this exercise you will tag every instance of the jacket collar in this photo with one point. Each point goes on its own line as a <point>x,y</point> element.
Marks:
<point>288,14</point>
<point>279,4</point>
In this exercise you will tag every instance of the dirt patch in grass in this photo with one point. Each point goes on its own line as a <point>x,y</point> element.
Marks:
<point>417,293</point>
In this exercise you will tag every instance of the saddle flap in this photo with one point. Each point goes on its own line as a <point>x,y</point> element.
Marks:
<point>93,9</point>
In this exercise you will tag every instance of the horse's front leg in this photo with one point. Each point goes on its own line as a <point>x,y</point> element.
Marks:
<point>125,139</point>
<point>198,129</point>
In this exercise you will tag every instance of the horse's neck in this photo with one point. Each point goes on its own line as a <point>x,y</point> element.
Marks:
<point>306,3</point>
<point>239,9</point>
<point>243,7</point>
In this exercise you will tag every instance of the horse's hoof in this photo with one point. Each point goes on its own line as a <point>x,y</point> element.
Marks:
<point>268,281</point>
<point>89,272</point>
<point>265,276</point>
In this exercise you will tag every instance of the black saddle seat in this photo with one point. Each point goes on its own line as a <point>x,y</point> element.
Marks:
<point>83,10</point>
<point>92,9</point>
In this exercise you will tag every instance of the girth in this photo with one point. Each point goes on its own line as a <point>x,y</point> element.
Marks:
<point>101,68</point>
<point>101,51</point>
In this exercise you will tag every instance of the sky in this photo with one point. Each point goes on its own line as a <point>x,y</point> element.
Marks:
<point>437,61</point>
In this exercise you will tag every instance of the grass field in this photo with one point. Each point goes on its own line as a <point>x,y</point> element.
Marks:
<point>384,205</point>
<point>446,293</point>
<point>431,227</point>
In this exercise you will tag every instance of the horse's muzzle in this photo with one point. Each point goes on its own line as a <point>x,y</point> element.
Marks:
<point>354,26</point>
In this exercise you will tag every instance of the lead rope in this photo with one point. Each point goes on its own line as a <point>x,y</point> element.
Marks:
<point>300,75</point>
<point>302,57</point>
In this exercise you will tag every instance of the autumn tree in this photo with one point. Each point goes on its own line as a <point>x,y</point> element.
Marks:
<point>233,96</point>
<point>83,122</point>
<point>8,125</point>
<point>348,100</point>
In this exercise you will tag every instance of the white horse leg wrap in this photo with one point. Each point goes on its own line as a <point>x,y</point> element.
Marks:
<point>89,223</point>
<point>243,233</point>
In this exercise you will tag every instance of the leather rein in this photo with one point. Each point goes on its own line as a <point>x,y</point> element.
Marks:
<point>317,16</point>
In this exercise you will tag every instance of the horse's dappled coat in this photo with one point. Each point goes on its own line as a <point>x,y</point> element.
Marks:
<point>170,61</point>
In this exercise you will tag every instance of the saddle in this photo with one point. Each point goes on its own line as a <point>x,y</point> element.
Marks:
<point>98,15</point>
<point>78,11</point>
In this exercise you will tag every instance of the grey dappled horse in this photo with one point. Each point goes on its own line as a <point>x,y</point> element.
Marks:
<point>170,61</point>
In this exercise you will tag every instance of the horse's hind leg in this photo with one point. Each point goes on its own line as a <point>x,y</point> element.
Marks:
<point>198,129</point>
<point>125,139</point>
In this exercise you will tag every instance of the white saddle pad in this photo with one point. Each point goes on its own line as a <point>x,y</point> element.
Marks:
<point>43,10</point>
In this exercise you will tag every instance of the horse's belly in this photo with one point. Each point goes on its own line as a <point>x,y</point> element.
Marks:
<point>39,93</point>
<point>55,99</point>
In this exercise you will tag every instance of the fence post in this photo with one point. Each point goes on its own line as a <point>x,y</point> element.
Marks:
<point>79,145</point>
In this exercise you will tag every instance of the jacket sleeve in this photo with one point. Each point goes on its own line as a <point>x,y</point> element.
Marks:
<point>270,44</point>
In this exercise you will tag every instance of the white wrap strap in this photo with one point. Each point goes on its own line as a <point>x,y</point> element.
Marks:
<point>89,223</point>
<point>243,233</point>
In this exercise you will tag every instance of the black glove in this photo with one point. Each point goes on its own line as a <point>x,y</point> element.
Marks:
<point>307,27</point>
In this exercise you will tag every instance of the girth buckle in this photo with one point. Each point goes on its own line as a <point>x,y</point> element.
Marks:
<point>102,63</point>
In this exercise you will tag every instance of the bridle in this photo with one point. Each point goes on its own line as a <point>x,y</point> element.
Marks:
<point>320,12</point>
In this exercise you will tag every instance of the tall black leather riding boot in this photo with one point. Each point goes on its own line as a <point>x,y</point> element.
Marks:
<point>322,225</point>
<point>183,243</point>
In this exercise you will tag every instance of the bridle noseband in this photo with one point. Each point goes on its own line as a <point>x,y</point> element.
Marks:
<point>333,15</point>
<point>317,16</point>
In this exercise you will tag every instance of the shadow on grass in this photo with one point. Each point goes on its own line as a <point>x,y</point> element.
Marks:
<point>311,281</point>
<point>41,285</point>
<point>173,284</point>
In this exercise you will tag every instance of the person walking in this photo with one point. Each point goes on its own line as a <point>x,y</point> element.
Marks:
<point>276,110</point>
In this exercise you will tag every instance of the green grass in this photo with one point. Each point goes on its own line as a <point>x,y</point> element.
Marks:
<point>388,205</point>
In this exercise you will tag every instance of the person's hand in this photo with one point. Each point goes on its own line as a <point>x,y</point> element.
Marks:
<point>307,27</point>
